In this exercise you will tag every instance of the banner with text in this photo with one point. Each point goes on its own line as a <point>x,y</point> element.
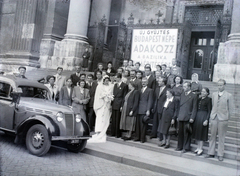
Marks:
<point>154,46</point>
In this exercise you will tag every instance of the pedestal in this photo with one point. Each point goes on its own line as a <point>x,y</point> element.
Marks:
<point>228,64</point>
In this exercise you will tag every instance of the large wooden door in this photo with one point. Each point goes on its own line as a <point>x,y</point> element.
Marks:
<point>201,55</point>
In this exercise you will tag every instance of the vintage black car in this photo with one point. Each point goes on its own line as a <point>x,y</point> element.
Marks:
<point>26,112</point>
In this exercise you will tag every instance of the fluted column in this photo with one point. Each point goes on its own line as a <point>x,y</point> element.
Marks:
<point>78,20</point>
<point>228,64</point>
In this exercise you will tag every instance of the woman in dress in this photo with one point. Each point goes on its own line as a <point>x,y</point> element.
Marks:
<point>201,123</point>
<point>80,97</point>
<point>169,115</point>
<point>103,110</point>
<point>177,88</point>
<point>129,110</point>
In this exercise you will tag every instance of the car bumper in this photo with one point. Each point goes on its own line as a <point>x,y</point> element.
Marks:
<point>63,138</point>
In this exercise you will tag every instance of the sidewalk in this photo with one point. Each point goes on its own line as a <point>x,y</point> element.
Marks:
<point>133,154</point>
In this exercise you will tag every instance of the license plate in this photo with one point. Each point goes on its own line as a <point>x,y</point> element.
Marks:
<point>74,141</point>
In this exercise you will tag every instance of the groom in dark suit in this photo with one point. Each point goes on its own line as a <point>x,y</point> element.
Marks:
<point>186,115</point>
<point>119,91</point>
<point>65,95</point>
<point>144,109</point>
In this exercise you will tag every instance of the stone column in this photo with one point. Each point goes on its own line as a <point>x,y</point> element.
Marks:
<point>68,52</point>
<point>101,9</point>
<point>228,64</point>
<point>24,36</point>
<point>78,20</point>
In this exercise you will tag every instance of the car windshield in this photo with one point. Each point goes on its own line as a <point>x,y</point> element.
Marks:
<point>34,92</point>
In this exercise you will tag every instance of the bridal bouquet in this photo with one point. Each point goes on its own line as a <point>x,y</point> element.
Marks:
<point>109,97</point>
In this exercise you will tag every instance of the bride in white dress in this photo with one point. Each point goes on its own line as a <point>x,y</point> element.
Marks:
<point>103,110</point>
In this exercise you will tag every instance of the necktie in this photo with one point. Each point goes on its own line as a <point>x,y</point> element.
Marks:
<point>160,91</point>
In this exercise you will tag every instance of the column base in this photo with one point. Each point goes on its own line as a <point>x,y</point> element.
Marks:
<point>67,54</point>
<point>12,64</point>
<point>229,72</point>
<point>79,38</point>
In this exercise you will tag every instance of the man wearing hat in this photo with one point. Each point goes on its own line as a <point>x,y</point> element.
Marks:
<point>22,71</point>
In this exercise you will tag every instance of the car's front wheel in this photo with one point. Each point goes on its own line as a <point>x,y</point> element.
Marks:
<point>37,140</point>
<point>77,147</point>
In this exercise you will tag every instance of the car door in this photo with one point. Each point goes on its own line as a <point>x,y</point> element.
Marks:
<point>6,107</point>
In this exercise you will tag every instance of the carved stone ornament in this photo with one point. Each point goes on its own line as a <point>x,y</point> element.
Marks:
<point>148,4</point>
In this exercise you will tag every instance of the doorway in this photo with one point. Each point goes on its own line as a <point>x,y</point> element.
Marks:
<point>201,55</point>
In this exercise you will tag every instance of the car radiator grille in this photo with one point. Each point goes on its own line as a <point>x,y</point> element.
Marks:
<point>69,120</point>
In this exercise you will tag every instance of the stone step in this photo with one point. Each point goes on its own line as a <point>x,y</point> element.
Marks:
<point>230,163</point>
<point>231,147</point>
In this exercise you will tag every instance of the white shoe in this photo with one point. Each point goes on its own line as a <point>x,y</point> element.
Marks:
<point>196,151</point>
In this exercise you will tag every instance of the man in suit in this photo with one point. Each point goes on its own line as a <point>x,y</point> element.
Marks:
<point>186,115</point>
<point>151,79</point>
<point>222,109</point>
<point>134,79</point>
<point>164,66</point>
<point>65,95</point>
<point>175,70</point>
<point>22,71</point>
<point>76,76</point>
<point>144,109</point>
<point>99,68</point>
<point>119,91</point>
<point>159,99</point>
<point>60,79</point>
<point>91,85</point>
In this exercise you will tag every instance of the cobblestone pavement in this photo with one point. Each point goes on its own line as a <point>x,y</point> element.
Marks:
<point>15,160</point>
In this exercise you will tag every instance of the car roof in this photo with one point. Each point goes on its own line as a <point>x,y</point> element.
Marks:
<point>13,80</point>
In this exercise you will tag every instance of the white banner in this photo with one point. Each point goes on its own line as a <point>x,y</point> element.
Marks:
<point>154,46</point>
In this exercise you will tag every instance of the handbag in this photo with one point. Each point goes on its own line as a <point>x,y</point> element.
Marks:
<point>172,130</point>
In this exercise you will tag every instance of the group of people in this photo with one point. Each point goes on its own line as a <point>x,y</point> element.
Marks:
<point>127,98</point>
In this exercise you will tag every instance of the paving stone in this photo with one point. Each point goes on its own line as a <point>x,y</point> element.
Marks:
<point>16,161</point>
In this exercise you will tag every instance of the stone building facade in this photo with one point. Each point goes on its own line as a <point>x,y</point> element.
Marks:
<point>52,33</point>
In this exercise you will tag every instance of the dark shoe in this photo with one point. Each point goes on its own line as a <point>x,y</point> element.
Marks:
<point>135,140</point>
<point>142,141</point>
<point>209,156</point>
<point>153,137</point>
<point>184,151</point>
<point>220,158</point>
<point>124,137</point>
<point>127,138</point>
<point>178,149</point>
<point>167,146</point>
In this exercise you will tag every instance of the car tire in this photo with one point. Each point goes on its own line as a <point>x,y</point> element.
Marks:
<point>77,147</point>
<point>37,140</point>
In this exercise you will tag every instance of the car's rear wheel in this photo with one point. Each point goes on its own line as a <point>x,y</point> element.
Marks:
<point>77,147</point>
<point>37,140</point>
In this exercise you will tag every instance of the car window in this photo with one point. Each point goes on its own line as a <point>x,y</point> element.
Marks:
<point>4,89</point>
<point>34,92</point>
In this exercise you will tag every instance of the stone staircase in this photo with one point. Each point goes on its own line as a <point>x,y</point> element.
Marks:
<point>232,143</point>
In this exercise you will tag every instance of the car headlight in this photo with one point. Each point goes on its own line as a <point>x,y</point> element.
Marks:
<point>59,116</point>
<point>78,118</point>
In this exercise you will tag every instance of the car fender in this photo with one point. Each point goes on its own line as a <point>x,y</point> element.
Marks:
<point>51,126</point>
<point>85,130</point>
